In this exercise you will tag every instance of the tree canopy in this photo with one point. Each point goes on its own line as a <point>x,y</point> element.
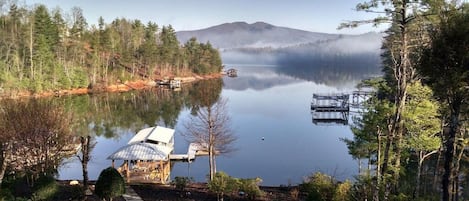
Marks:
<point>40,50</point>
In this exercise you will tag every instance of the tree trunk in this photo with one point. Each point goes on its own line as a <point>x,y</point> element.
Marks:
<point>387,148</point>
<point>437,171</point>
<point>403,76</point>
<point>3,160</point>
<point>85,141</point>
<point>210,162</point>
<point>378,171</point>
<point>456,175</point>
<point>449,154</point>
<point>419,173</point>
<point>31,51</point>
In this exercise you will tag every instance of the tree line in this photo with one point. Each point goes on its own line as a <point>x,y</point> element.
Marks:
<point>414,134</point>
<point>43,50</point>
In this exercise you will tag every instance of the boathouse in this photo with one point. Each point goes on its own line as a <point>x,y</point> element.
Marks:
<point>146,156</point>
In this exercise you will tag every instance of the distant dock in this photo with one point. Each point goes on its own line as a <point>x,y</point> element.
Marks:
<point>335,107</point>
<point>231,72</point>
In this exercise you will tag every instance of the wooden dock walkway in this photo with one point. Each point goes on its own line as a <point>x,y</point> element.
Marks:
<point>193,151</point>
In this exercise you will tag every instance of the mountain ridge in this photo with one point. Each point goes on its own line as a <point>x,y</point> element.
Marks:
<point>257,35</point>
<point>264,43</point>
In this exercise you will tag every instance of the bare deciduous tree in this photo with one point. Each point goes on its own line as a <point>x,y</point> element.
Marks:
<point>84,155</point>
<point>35,136</point>
<point>210,127</point>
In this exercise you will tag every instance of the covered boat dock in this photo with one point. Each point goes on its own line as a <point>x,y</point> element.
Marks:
<point>146,156</point>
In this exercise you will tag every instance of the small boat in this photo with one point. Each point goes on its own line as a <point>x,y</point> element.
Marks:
<point>232,72</point>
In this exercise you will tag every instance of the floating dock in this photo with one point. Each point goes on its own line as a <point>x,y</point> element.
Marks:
<point>172,83</point>
<point>335,107</point>
<point>330,102</point>
<point>330,108</point>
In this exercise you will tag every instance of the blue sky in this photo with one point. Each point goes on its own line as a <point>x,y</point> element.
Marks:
<point>310,15</point>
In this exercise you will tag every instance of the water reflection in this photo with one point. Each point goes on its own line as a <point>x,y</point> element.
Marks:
<point>112,119</point>
<point>333,70</point>
<point>267,103</point>
<point>257,78</point>
<point>280,113</point>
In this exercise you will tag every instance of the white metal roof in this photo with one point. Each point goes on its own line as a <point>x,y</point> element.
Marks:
<point>158,133</point>
<point>141,151</point>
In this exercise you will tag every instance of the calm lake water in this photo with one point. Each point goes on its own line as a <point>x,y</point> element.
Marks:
<point>264,102</point>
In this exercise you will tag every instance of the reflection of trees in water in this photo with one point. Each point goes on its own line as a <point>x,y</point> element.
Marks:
<point>108,114</point>
<point>105,114</point>
<point>331,70</point>
<point>204,93</point>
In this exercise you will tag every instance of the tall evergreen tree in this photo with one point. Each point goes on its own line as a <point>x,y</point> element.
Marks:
<point>445,67</point>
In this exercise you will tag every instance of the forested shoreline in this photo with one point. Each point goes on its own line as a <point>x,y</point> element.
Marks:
<point>44,49</point>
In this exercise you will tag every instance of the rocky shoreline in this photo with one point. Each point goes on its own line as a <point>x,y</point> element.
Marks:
<point>117,87</point>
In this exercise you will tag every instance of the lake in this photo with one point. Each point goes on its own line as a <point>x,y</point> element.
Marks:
<point>264,102</point>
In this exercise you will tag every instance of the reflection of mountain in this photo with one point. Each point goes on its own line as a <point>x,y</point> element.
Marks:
<point>257,78</point>
<point>337,70</point>
<point>340,73</point>
<point>331,59</point>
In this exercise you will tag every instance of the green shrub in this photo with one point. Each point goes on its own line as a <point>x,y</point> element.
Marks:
<point>110,184</point>
<point>181,182</point>
<point>319,187</point>
<point>5,194</point>
<point>251,187</point>
<point>343,191</point>
<point>45,188</point>
<point>222,184</point>
<point>71,192</point>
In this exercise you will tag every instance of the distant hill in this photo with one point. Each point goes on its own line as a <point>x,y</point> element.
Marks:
<point>256,35</point>
<point>240,42</point>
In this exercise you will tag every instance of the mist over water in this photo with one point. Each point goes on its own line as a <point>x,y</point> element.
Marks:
<point>270,99</point>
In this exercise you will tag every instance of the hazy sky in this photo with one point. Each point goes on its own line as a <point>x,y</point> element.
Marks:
<point>310,15</point>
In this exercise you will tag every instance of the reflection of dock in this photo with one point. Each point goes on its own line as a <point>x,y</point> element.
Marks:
<point>324,118</point>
